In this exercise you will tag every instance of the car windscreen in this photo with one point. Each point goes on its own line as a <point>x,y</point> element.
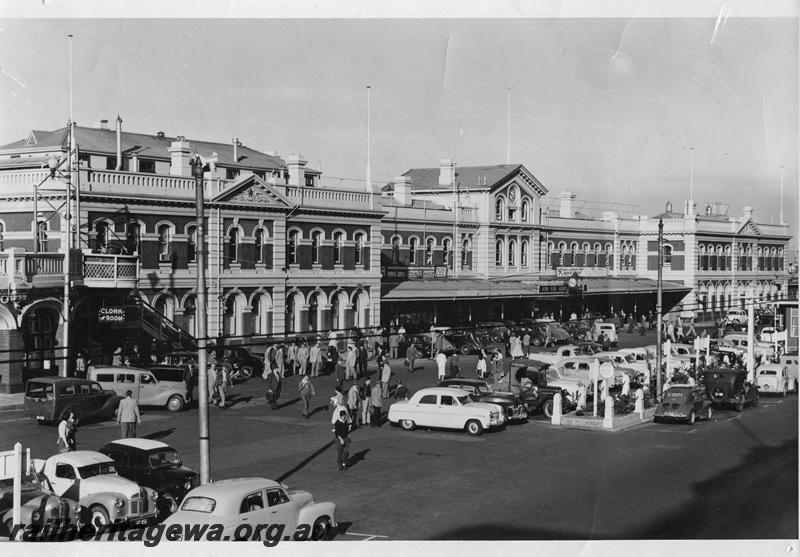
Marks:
<point>164,459</point>
<point>199,504</point>
<point>39,390</point>
<point>768,372</point>
<point>97,469</point>
<point>166,374</point>
<point>675,395</point>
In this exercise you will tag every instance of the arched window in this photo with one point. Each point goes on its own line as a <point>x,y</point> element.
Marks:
<point>338,241</point>
<point>359,247</point>
<point>512,253</point>
<point>526,209</point>
<point>233,245</point>
<point>133,236</point>
<point>41,236</point>
<point>395,249</point>
<point>164,242</point>
<point>291,247</point>
<point>465,249</point>
<point>191,243</point>
<point>668,254</point>
<point>499,209</point>
<point>498,253</point>
<point>523,253</point>
<point>316,239</point>
<point>412,251</point>
<point>446,251</point>
<point>429,252</point>
<point>259,245</point>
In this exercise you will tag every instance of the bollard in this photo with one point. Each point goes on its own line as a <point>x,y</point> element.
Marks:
<point>608,419</point>
<point>556,417</point>
<point>639,408</point>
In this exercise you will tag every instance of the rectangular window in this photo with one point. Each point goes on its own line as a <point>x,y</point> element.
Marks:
<point>147,166</point>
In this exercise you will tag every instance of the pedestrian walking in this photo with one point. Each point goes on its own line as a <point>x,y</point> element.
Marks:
<point>128,415</point>
<point>376,403</point>
<point>515,346</point>
<point>342,433</point>
<point>350,358</point>
<point>386,375</point>
<point>333,349</point>
<point>526,344</point>
<point>433,335</point>
<point>353,401</point>
<point>291,357</point>
<point>116,358</point>
<point>66,436</point>
<point>363,395</point>
<point>441,365</point>
<point>361,359</point>
<point>221,382</point>
<point>274,388</point>
<point>80,364</point>
<point>280,360</point>
<point>306,389</point>
<point>211,374</point>
<point>497,362</point>
<point>394,343</point>
<point>303,356</point>
<point>411,357</point>
<point>480,369</point>
<point>315,357</point>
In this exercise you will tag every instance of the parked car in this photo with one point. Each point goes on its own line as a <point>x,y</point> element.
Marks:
<point>683,402</point>
<point>146,388</point>
<point>539,397</point>
<point>155,465</point>
<point>51,399</point>
<point>790,360</point>
<point>730,387</point>
<point>441,407</point>
<point>766,334</point>
<point>493,335</point>
<point>609,329</point>
<point>39,505</point>
<point>423,343</point>
<point>553,329</point>
<point>463,340</point>
<point>480,391</point>
<point>772,379</point>
<point>240,359</point>
<point>91,479</point>
<point>736,317</point>
<point>255,501</point>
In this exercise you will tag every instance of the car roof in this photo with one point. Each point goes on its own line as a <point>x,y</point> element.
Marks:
<point>120,368</point>
<point>685,388</point>
<point>82,458</point>
<point>436,391</point>
<point>233,487</point>
<point>475,382</point>
<point>141,444</point>
<point>63,380</point>
<point>771,366</point>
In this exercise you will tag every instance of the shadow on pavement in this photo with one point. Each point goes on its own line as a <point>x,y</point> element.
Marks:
<point>159,434</point>
<point>318,409</point>
<point>356,458</point>
<point>287,403</point>
<point>234,400</point>
<point>305,461</point>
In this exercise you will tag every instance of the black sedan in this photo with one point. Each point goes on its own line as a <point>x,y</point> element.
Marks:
<point>481,391</point>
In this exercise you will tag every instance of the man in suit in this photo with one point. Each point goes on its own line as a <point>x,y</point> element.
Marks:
<point>128,415</point>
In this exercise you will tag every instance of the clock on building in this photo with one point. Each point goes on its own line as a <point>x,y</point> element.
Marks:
<point>513,194</point>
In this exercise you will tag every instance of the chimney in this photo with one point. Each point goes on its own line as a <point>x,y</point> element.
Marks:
<point>119,143</point>
<point>102,125</point>
<point>297,170</point>
<point>748,213</point>
<point>160,135</point>
<point>447,173</point>
<point>565,208</point>
<point>181,153</point>
<point>402,190</point>
<point>236,149</point>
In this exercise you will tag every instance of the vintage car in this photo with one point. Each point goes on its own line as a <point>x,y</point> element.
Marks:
<point>91,479</point>
<point>51,399</point>
<point>683,402</point>
<point>608,329</point>
<point>729,386</point>
<point>493,335</point>
<point>38,505</point>
<point>444,407</point>
<point>147,389</point>
<point>155,465</point>
<point>736,317</point>
<point>740,341</point>
<point>463,340</point>
<point>422,341</point>
<point>244,364</point>
<point>789,359</point>
<point>256,501</point>
<point>480,391</point>
<point>772,379</point>
<point>538,396</point>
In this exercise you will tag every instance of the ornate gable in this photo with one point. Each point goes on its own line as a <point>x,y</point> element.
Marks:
<point>252,190</point>
<point>749,229</point>
<point>31,140</point>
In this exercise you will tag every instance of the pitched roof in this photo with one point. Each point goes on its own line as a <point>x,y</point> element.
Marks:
<point>93,140</point>
<point>466,176</point>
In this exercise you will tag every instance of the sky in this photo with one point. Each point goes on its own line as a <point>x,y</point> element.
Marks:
<point>612,108</point>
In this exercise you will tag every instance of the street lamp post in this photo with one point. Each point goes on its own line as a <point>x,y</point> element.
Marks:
<point>202,318</point>
<point>659,309</point>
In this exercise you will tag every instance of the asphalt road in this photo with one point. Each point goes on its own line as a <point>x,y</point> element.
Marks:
<point>734,477</point>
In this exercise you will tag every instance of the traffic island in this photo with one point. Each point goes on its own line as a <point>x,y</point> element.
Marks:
<point>608,421</point>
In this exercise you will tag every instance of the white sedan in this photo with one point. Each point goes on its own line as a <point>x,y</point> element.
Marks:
<point>773,379</point>
<point>442,407</point>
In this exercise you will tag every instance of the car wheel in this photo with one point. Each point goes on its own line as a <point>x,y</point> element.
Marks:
<point>656,420</point>
<point>322,529</point>
<point>465,349</point>
<point>474,427</point>
<point>692,418</point>
<point>783,392</point>
<point>175,403</point>
<point>547,408</point>
<point>99,516</point>
<point>246,372</point>
<point>708,413</point>
<point>408,425</point>
<point>167,504</point>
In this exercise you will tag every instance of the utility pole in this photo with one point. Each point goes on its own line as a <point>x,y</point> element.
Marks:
<point>202,318</point>
<point>659,309</point>
<point>67,311</point>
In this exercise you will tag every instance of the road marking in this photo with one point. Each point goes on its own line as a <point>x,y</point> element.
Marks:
<point>14,420</point>
<point>693,431</point>
<point>736,417</point>
<point>366,536</point>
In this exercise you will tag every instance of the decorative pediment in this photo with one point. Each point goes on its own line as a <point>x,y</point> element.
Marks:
<point>252,190</point>
<point>749,228</point>
<point>31,139</point>
<point>524,180</point>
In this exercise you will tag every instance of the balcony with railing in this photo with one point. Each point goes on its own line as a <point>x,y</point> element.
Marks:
<point>26,270</point>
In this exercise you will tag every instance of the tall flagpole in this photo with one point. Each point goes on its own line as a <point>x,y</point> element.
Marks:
<point>70,78</point>
<point>369,171</point>
<point>781,214</point>
<point>508,122</point>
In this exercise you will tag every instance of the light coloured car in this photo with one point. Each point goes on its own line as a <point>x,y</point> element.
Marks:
<point>609,329</point>
<point>626,360</point>
<point>260,503</point>
<point>736,317</point>
<point>740,341</point>
<point>446,408</point>
<point>144,385</point>
<point>789,359</point>
<point>91,479</point>
<point>767,334</point>
<point>773,379</point>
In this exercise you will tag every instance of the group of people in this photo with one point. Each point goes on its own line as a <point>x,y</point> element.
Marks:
<point>127,417</point>
<point>295,358</point>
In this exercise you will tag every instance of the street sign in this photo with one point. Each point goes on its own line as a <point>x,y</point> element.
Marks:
<point>606,371</point>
